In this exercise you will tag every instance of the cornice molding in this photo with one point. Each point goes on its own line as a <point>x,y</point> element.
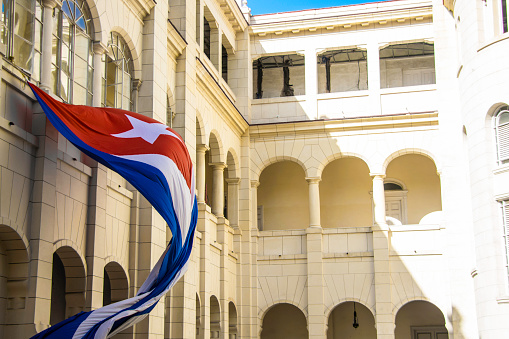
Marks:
<point>175,42</point>
<point>141,7</point>
<point>416,121</point>
<point>233,13</point>
<point>211,89</point>
<point>336,19</point>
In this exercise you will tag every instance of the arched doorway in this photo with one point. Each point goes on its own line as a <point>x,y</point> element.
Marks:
<point>115,286</point>
<point>68,282</point>
<point>284,321</point>
<point>215,318</point>
<point>13,282</point>
<point>283,198</point>
<point>232,321</point>
<point>351,320</point>
<point>420,319</point>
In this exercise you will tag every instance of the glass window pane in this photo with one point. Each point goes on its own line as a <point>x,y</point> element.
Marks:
<point>54,79</point>
<point>110,96</point>
<point>64,86</point>
<point>38,36</point>
<point>26,3</point>
<point>36,73</point>
<point>89,99</point>
<point>23,23</point>
<point>79,96</point>
<point>503,118</point>
<point>80,71</point>
<point>81,44</point>
<point>64,59</point>
<point>90,79</point>
<point>23,57</point>
<point>66,31</point>
<point>3,21</point>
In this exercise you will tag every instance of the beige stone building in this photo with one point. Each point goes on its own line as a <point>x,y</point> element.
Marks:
<point>352,167</point>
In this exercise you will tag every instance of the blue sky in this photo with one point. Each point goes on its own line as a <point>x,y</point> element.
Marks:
<point>275,6</point>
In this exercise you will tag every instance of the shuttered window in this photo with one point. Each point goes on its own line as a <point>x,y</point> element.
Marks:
<point>502,135</point>
<point>505,216</point>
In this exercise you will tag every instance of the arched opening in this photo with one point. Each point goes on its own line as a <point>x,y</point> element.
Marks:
<point>215,318</point>
<point>119,72</point>
<point>420,319</point>
<point>231,188</point>
<point>422,182</point>
<point>351,320</point>
<point>344,194</point>
<point>395,202</point>
<point>13,282</point>
<point>115,286</point>
<point>213,188</point>
<point>283,198</point>
<point>284,321</point>
<point>232,321</point>
<point>67,285</point>
<point>198,316</point>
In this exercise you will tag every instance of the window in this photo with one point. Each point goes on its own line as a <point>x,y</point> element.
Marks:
<point>271,76</point>
<point>342,70</point>
<point>505,27</point>
<point>407,64</point>
<point>505,222</point>
<point>72,54</point>
<point>502,135</point>
<point>118,74</point>
<point>21,33</point>
<point>395,202</point>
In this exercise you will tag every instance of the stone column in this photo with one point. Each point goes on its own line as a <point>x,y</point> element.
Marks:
<point>216,43</point>
<point>379,200</point>
<point>316,307</point>
<point>42,223</point>
<point>233,201</point>
<point>218,188</point>
<point>311,82</point>
<point>99,50</point>
<point>200,171</point>
<point>254,197</point>
<point>314,202</point>
<point>96,235</point>
<point>373,63</point>
<point>381,245</point>
<point>135,91</point>
<point>47,33</point>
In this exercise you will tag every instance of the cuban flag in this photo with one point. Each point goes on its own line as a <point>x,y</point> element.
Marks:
<point>155,160</point>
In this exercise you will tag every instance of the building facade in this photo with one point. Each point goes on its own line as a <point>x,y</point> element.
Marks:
<point>351,167</point>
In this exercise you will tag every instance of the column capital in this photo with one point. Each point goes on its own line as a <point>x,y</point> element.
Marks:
<point>202,148</point>
<point>313,180</point>
<point>234,181</point>
<point>50,4</point>
<point>218,166</point>
<point>377,175</point>
<point>255,183</point>
<point>99,48</point>
<point>137,84</point>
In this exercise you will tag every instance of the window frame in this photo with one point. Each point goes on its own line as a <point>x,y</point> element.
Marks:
<point>504,148</point>
<point>9,36</point>
<point>56,63</point>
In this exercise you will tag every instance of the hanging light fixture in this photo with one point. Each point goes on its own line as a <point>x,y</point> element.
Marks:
<point>355,322</point>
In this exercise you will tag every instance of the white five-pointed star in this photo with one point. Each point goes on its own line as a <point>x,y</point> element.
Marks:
<point>145,130</point>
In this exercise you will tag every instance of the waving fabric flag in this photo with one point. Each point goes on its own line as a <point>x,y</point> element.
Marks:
<point>154,159</point>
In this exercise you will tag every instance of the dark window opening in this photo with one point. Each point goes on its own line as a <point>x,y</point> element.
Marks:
<point>342,70</point>
<point>407,64</point>
<point>279,76</point>
<point>106,289</point>
<point>224,63</point>
<point>206,37</point>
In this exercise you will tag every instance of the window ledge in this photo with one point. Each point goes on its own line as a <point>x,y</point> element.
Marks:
<point>503,299</point>
<point>408,89</point>
<point>339,95</point>
<point>501,169</point>
<point>297,98</point>
<point>493,41</point>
